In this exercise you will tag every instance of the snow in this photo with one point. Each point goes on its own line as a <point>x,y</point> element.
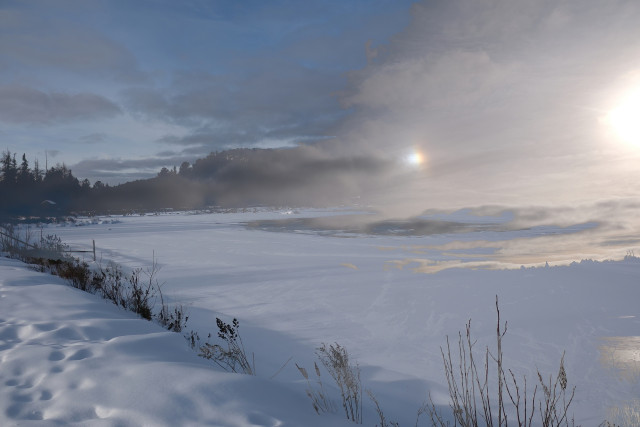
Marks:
<point>69,357</point>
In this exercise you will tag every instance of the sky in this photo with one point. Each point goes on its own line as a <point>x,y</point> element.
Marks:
<point>459,102</point>
<point>118,89</point>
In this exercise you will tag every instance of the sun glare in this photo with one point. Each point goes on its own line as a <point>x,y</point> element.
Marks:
<point>625,118</point>
<point>415,158</point>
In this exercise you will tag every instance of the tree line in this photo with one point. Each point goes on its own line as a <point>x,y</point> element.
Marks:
<point>231,178</point>
<point>27,190</point>
<point>31,191</point>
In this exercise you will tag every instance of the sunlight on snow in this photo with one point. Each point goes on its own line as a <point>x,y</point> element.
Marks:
<point>623,355</point>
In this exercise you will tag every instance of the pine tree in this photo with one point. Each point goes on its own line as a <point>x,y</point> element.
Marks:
<point>9,168</point>
<point>24,173</point>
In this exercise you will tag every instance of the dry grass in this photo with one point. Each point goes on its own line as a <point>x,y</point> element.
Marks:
<point>319,398</point>
<point>231,356</point>
<point>335,359</point>
<point>474,404</point>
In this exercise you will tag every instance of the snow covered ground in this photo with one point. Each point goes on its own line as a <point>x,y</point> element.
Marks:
<point>389,295</point>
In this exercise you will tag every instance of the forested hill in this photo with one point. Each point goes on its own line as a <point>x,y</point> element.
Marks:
<point>239,177</point>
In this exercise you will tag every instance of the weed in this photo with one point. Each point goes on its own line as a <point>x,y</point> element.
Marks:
<point>111,280</point>
<point>383,419</point>
<point>173,320</point>
<point>138,291</point>
<point>193,339</point>
<point>319,399</point>
<point>232,357</point>
<point>77,273</point>
<point>335,359</point>
<point>472,403</point>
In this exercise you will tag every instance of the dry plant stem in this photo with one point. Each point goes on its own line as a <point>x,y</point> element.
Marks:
<point>281,368</point>
<point>383,419</point>
<point>555,410</point>
<point>523,420</point>
<point>233,358</point>
<point>471,398</point>
<point>319,399</point>
<point>424,408</point>
<point>502,417</point>
<point>336,360</point>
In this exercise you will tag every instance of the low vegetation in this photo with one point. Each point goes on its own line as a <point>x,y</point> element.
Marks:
<point>230,356</point>
<point>137,290</point>
<point>474,403</point>
<point>481,394</point>
<point>319,398</point>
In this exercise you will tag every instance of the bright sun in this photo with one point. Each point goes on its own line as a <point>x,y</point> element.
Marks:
<point>625,118</point>
<point>415,158</point>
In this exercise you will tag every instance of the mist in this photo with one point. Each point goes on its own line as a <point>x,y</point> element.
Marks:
<point>506,101</point>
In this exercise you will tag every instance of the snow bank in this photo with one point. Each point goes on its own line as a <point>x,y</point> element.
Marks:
<point>70,358</point>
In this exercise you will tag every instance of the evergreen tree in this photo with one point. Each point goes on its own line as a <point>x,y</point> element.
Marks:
<point>24,173</point>
<point>9,168</point>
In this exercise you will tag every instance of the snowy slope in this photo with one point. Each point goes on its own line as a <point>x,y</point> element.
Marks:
<point>69,358</point>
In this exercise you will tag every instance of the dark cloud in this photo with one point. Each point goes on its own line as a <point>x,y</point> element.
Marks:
<point>167,153</point>
<point>36,36</point>
<point>117,171</point>
<point>276,93</point>
<point>147,102</point>
<point>211,140</point>
<point>20,104</point>
<point>94,138</point>
<point>276,105</point>
<point>300,175</point>
<point>120,164</point>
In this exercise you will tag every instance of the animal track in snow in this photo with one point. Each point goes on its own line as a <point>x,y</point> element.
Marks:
<point>81,354</point>
<point>56,355</point>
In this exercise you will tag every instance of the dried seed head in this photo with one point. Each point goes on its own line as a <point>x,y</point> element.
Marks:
<point>562,376</point>
<point>303,371</point>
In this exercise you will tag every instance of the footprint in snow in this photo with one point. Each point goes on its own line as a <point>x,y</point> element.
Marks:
<point>81,354</point>
<point>18,411</point>
<point>56,355</point>
<point>24,398</point>
<point>56,370</point>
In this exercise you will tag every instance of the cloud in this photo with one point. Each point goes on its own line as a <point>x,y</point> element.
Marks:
<point>118,164</point>
<point>20,104</point>
<point>35,36</point>
<point>278,104</point>
<point>52,153</point>
<point>94,138</point>
<point>503,97</point>
<point>118,170</point>
<point>301,175</point>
